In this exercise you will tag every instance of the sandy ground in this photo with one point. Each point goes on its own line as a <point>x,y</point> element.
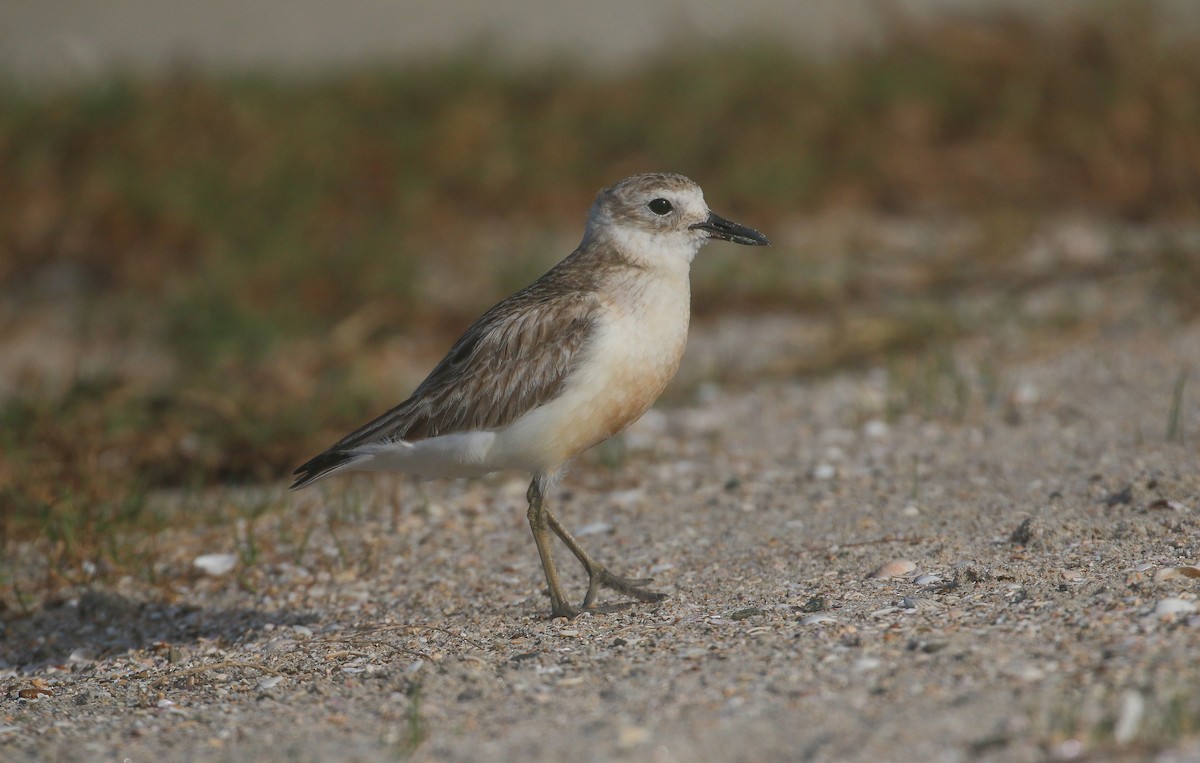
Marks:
<point>1029,616</point>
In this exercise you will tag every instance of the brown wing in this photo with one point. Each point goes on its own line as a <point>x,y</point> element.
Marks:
<point>513,359</point>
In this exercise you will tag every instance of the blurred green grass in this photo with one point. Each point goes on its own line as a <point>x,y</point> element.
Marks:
<point>258,232</point>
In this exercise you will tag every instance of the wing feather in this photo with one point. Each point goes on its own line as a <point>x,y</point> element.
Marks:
<point>515,358</point>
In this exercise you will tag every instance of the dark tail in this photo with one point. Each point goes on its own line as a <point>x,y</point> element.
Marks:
<point>319,466</point>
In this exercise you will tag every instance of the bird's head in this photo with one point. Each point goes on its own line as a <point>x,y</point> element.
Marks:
<point>660,217</point>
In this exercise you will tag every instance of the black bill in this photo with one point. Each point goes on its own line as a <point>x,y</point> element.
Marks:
<point>727,230</point>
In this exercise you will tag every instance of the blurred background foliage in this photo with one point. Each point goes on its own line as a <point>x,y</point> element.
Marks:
<point>210,272</point>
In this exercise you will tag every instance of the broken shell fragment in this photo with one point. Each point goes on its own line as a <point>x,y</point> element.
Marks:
<point>1171,573</point>
<point>894,569</point>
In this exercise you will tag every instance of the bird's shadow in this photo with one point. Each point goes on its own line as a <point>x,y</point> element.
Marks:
<point>101,624</point>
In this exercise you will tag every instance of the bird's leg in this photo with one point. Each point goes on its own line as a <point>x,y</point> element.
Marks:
<point>538,517</point>
<point>598,575</point>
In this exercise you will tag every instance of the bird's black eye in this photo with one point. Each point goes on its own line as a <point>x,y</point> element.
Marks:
<point>660,206</point>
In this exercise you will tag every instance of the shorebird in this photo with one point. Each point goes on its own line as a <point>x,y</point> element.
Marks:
<point>564,364</point>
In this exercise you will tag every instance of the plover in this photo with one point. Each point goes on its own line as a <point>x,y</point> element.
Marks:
<point>564,364</point>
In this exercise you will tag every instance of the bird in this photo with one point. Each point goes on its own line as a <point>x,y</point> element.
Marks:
<point>558,367</point>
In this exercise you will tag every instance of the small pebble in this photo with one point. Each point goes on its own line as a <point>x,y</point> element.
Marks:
<point>742,614</point>
<point>1024,534</point>
<point>35,693</point>
<point>215,564</point>
<point>1163,503</point>
<point>1173,606</point>
<point>624,498</point>
<point>917,602</point>
<point>1024,671</point>
<point>818,619</point>
<point>1068,750</point>
<point>876,429</point>
<point>595,528</point>
<point>1133,707</point>
<point>815,604</point>
<point>824,472</point>
<point>631,736</point>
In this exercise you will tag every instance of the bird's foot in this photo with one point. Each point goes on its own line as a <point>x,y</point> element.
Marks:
<point>599,577</point>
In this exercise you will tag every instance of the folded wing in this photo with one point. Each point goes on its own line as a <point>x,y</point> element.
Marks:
<point>515,358</point>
